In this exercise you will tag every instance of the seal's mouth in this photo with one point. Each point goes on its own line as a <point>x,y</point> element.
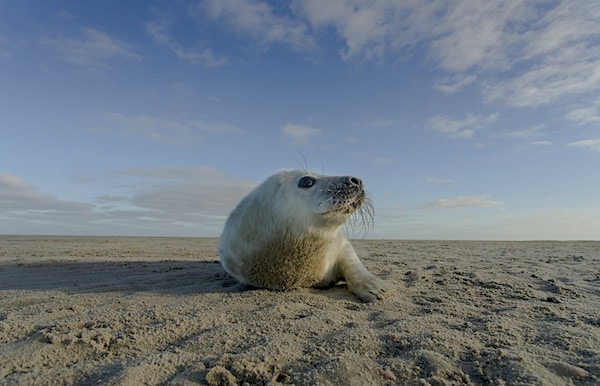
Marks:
<point>345,201</point>
<point>349,204</point>
<point>352,205</point>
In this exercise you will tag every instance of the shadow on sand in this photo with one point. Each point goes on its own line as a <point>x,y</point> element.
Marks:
<point>181,277</point>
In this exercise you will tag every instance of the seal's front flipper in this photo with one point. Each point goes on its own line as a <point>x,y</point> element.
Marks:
<point>367,288</point>
<point>360,281</point>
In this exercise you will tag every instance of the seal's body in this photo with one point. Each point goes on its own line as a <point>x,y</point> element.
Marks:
<point>287,233</point>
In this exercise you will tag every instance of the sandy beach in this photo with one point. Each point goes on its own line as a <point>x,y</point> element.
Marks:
<point>132,311</point>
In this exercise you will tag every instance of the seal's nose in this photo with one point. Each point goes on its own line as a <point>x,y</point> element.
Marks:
<point>353,182</point>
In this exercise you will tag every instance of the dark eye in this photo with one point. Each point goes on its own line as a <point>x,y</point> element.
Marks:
<point>306,182</point>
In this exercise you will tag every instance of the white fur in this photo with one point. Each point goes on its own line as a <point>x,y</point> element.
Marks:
<point>282,236</point>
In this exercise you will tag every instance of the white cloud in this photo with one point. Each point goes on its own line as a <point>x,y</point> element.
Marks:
<point>562,53</point>
<point>460,128</point>
<point>439,180</point>
<point>380,122</point>
<point>26,210</point>
<point>540,143</point>
<point>586,115</point>
<point>160,130</point>
<point>258,20</point>
<point>214,127</point>
<point>196,202</point>
<point>144,126</point>
<point>528,132</point>
<point>18,196</point>
<point>300,134</point>
<point>212,98</point>
<point>526,53</point>
<point>567,24</point>
<point>163,201</point>
<point>477,34</point>
<point>590,144</point>
<point>460,35</point>
<point>179,201</point>
<point>378,29</point>
<point>185,192</point>
<point>362,25</point>
<point>463,202</point>
<point>159,31</point>
<point>92,49</point>
<point>454,84</point>
<point>523,53</point>
<point>547,83</point>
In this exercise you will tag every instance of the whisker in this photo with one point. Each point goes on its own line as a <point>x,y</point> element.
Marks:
<point>362,219</point>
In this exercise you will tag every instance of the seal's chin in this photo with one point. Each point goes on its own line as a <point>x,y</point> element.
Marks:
<point>341,202</point>
<point>344,209</point>
<point>334,218</point>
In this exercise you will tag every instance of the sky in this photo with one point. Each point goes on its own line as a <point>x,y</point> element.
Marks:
<point>465,119</point>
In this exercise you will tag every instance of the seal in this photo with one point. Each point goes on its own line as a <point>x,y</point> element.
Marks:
<point>288,233</point>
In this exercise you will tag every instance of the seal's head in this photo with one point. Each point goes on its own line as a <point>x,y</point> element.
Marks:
<point>315,200</point>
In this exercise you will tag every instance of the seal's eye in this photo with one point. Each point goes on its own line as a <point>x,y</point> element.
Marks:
<point>306,182</point>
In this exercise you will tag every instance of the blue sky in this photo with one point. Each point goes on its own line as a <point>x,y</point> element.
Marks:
<point>465,119</point>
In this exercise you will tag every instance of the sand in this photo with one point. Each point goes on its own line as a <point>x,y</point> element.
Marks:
<point>132,311</point>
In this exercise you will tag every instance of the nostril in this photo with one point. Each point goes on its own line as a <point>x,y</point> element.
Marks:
<point>353,181</point>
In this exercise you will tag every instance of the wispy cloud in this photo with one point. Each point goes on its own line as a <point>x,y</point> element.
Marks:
<point>363,26</point>
<point>454,84</point>
<point>259,21</point>
<point>163,201</point>
<point>300,134</point>
<point>439,180</point>
<point>160,130</point>
<point>159,31</point>
<point>540,143</point>
<point>380,122</point>
<point>590,144</point>
<point>533,135</point>
<point>92,49</point>
<point>17,195</point>
<point>561,49</point>
<point>460,128</point>
<point>522,53</point>
<point>586,115</point>
<point>25,209</point>
<point>214,127</point>
<point>179,201</point>
<point>548,83</point>
<point>463,202</point>
<point>477,35</point>
<point>148,127</point>
<point>185,192</point>
<point>527,132</point>
<point>461,35</point>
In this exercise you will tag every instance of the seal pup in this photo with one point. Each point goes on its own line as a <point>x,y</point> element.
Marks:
<point>287,233</point>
